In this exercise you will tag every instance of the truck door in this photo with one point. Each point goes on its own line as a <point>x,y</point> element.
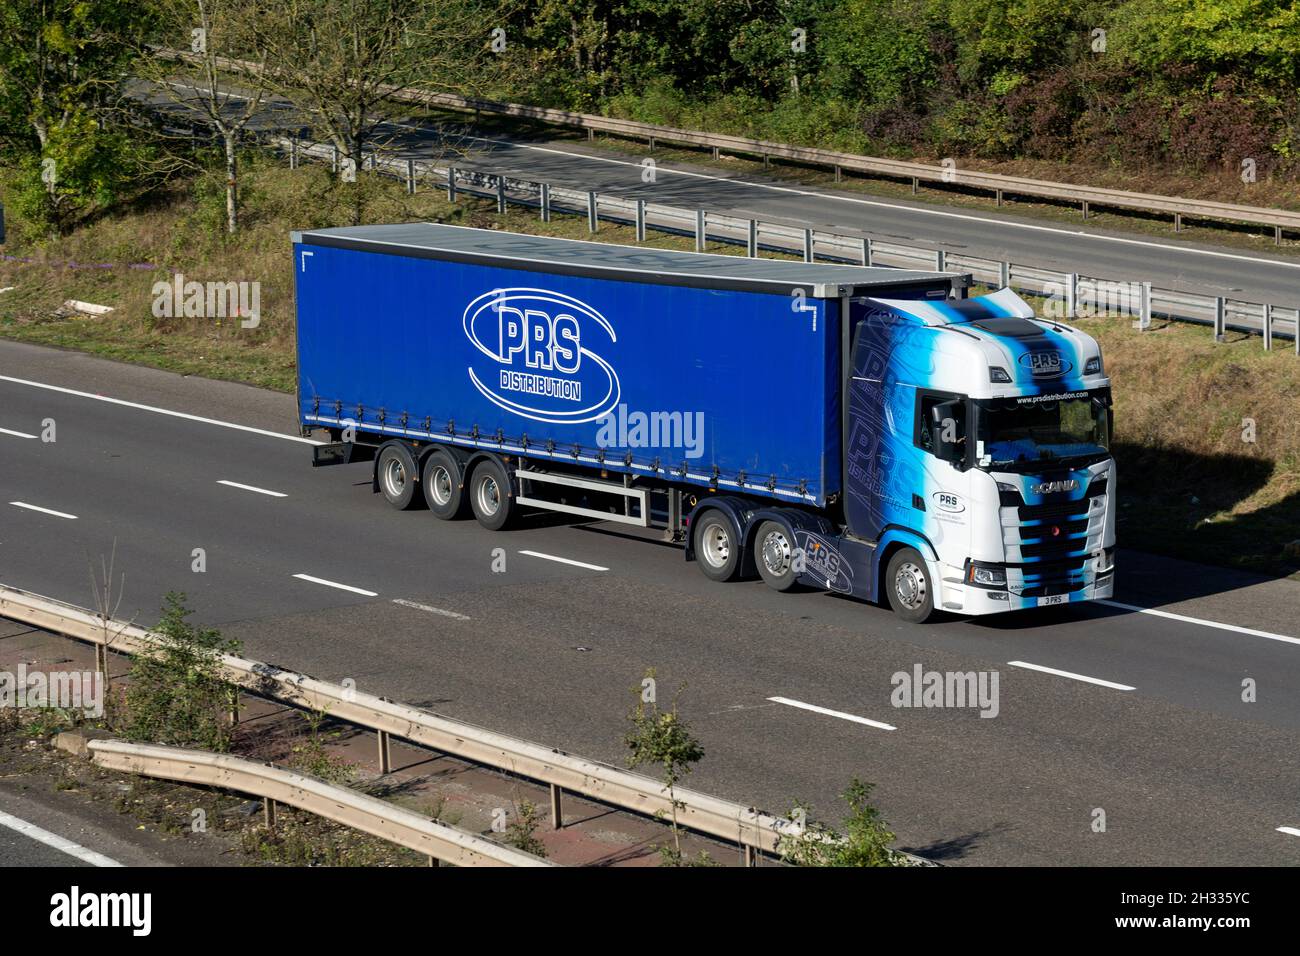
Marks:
<point>893,479</point>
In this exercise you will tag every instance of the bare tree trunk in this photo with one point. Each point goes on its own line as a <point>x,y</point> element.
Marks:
<point>232,184</point>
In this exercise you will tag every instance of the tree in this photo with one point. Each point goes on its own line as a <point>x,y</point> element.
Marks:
<point>60,68</point>
<point>212,35</point>
<point>662,739</point>
<point>341,61</point>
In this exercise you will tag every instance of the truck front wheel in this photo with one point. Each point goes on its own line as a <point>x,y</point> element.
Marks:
<point>908,586</point>
<point>717,551</point>
<point>774,555</point>
<point>399,477</point>
<point>489,495</point>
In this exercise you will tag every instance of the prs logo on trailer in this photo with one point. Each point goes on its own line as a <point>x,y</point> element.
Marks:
<point>538,356</point>
<point>1045,364</point>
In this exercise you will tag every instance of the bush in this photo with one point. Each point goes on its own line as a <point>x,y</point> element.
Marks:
<point>178,695</point>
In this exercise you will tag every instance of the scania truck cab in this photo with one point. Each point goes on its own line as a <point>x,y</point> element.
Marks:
<point>979,477</point>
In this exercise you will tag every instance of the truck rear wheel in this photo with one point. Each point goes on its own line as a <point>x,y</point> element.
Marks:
<point>441,481</point>
<point>908,586</point>
<point>717,551</point>
<point>399,477</point>
<point>774,555</point>
<point>489,495</point>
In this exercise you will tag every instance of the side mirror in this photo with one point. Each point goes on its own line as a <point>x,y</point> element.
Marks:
<point>947,430</point>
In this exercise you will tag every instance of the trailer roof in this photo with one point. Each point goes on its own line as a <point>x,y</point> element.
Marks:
<point>607,260</point>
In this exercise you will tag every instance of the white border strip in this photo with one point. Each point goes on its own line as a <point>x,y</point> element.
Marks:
<point>44,511</point>
<point>1196,620</point>
<point>260,491</point>
<point>576,564</point>
<point>7,431</point>
<point>429,608</point>
<point>1070,674</point>
<point>53,840</point>
<point>159,411</point>
<point>831,713</point>
<point>335,584</point>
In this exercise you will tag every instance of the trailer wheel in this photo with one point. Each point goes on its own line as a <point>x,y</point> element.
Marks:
<point>717,549</point>
<point>489,495</point>
<point>774,555</point>
<point>441,482</point>
<point>399,477</point>
<point>908,586</point>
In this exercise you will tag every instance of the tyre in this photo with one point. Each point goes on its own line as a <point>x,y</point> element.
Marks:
<point>440,479</point>
<point>774,555</point>
<point>489,495</point>
<point>908,586</point>
<point>717,550</point>
<point>399,477</point>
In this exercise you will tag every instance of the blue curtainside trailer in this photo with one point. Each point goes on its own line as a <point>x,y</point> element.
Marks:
<point>486,371</point>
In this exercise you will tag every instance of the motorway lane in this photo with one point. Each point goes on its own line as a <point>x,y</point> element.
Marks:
<point>1004,790</point>
<point>1167,262</point>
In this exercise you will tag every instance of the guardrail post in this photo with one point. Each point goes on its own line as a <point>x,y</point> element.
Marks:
<point>591,135</point>
<point>451,184</point>
<point>807,245</point>
<point>593,218</point>
<point>501,194</point>
<point>385,753</point>
<point>766,161</point>
<point>701,236</point>
<point>866,251</point>
<point>752,243</point>
<point>652,144</point>
<point>410,177</point>
<point>1071,294</point>
<point>839,173</point>
<point>1178,222</point>
<point>1220,318</point>
<point>1268,327</point>
<point>334,159</point>
<point>1144,306</point>
<point>999,192</point>
<point>1085,209</point>
<point>546,202</point>
<point>915,185</point>
<point>293,152</point>
<point>268,813</point>
<point>716,154</point>
<point>557,811</point>
<point>751,858</point>
<point>1277,235</point>
<point>640,220</point>
<point>1004,275</point>
<point>940,261</point>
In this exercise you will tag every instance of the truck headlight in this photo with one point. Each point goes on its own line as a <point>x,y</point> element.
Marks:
<point>998,375</point>
<point>1092,366</point>
<point>986,576</point>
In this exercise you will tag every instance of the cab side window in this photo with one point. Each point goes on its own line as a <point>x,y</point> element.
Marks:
<point>925,427</point>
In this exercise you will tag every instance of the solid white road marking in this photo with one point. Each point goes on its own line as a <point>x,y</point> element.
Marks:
<point>1089,680</point>
<point>1196,620</point>
<point>260,491</point>
<point>1289,831</point>
<point>831,713</point>
<point>33,832</point>
<point>6,431</point>
<point>335,584</point>
<point>159,411</point>
<point>430,609</point>
<point>576,564</point>
<point>44,511</point>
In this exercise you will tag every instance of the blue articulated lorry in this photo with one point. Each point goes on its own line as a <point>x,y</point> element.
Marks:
<point>868,431</point>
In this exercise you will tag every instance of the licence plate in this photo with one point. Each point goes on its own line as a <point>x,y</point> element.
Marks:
<point>1053,599</point>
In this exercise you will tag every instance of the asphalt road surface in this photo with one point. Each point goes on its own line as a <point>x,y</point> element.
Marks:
<point>314,572</point>
<point>1167,262</point>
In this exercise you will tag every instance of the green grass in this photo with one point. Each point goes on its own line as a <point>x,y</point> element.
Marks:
<point>1190,486</point>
